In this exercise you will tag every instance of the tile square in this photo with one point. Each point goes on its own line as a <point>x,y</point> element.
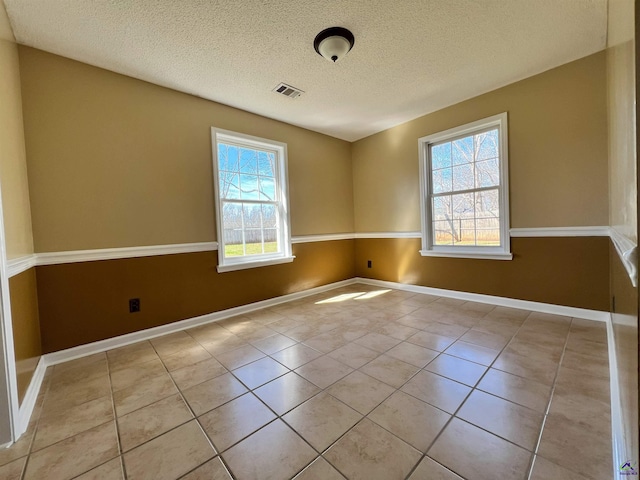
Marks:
<point>143,393</point>
<point>484,339</point>
<point>576,447</point>
<point>445,329</point>
<point>319,469</point>
<point>324,371</point>
<point>239,357</point>
<point>412,354</point>
<point>369,452</point>
<point>410,419</point>
<point>112,470</point>
<point>543,469</point>
<point>522,391</point>
<point>390,370</point>
<point>473,453</point>
<point>473,353</point>
<point>396,330</point>
<point>361,392</point>
<point>274,343</point>
<point>276,452</point>
<point>296,356</point>
<point>354,355</point>
<point>428,469</point>
<point>194,374</point>
<point>142,425</point>
<point>63,397</point>
<point>286,392</point>
<point>173,343</point>
<point>438,391</point>
<point>169,456</point>
<point>233,421</point>
<point>515,423</point>
<point>322,420</point>
<point>222,342</point>
<point>186,357</point>
<point>212,470</point>
<point>378,342</point>
<point>327,342</point>
<point>260,372</point>
<point>13,470</point>
<point>431,341</point>
<point>67,423</point>
<point>74,455</point>
<point>540,370</point>
<point>213,393</point>
<point>130,355</point>
<point>130,376</point>
<point>457,369</point>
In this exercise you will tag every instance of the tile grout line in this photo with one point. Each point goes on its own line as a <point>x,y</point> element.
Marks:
<point>548,409</point>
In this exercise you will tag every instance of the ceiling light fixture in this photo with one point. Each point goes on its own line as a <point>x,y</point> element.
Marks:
<point>334,43</point>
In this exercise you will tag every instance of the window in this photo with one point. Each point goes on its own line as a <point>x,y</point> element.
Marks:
<point>252,209</point>
<point>465,192</point>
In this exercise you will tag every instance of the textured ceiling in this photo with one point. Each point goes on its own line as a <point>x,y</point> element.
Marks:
<point>411,57</point>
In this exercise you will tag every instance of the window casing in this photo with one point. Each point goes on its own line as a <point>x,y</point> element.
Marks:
<point>252,207</point>
<point>464,184</point>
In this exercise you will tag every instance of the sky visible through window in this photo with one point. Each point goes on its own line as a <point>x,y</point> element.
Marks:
<point>465,180</point>
<point>248,192</point>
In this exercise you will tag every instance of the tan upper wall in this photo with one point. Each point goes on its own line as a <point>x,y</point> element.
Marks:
<point>117,162</point>
<point>13,164</point>
<point>621,114</point>
<point>557,153</point>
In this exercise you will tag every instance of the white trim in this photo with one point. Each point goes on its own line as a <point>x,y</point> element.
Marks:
<point>30,397</point>
<point>627,251</point>
<point>232,267</point>
<point>16,266</point>
<point>560,232</point>
<point>617,426</point>
<point>122,340</point>
<point>462,254</point>
<point>323,238</point>
<point>596,315</point>
<point>388,235</point>
<point>55,258</point>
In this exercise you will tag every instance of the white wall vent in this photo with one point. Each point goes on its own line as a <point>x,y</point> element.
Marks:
<point>288,90</point>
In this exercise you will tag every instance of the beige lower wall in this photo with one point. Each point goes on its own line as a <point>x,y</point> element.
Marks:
<point>88,301</point>
<point>26,327</point>
<point>571,271</point>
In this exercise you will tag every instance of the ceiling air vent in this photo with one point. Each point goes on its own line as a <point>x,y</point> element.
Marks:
<point>288,91</point>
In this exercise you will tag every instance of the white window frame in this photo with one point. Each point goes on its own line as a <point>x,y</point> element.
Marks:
<point>228,264</point>
<point>502,252</point>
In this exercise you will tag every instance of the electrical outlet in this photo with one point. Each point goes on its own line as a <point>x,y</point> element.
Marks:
<point>134,305</point>
<point>368,263</point>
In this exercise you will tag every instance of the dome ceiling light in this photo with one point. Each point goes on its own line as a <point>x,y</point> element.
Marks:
<point>334,43</point>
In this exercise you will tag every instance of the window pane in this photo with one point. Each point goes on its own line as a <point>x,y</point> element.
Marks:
<point>462,151</point>
<point>463,177</point>
<point>248,161</point>
<point>266,163</point>
<point>488,218</point>
<point>227,157</point>
<point>249,187</point>
<point>487,145</point>
<point>270,230</point>
<point>441,156</point>
<point>252,228</point>
<point>442,208</point>
<point>441,181</point>
<point>267,188</point>
<point>229,183</point>
<point>487,173</point>
<point>442,233</point>
<point>232,229</point>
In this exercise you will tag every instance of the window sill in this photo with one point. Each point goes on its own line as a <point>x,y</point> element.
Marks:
<point>262,263</point>
<point>476,255</point>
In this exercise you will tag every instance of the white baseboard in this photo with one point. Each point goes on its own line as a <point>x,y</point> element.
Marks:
<point>596,315</point>
<point>617,427</point>
<point>30,397</point>
<point>123,340</point>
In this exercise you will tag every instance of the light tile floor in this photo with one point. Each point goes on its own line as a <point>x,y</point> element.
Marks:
<point>358,382</point>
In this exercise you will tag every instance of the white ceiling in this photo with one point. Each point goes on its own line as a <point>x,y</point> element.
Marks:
<point>411,57</point>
